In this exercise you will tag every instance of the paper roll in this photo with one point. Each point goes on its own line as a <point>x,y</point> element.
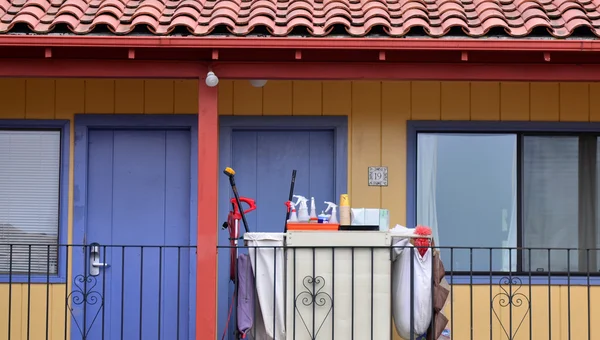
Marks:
<point>344,200</point>
<point>345,215</point>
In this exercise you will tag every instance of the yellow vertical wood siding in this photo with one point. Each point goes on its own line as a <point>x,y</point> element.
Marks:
<point>62,99</point>
<point>377,113</point>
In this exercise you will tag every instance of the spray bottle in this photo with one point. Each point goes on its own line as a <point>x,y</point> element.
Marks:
<point>303,209</point>
<point>293,215</point>
<point>313,211</point>
<point>333,207</point>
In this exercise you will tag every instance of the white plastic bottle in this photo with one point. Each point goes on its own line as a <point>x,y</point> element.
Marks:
<point>333,207</point>
<point>303,216</point>
<point>313,210</point>
<point>293,215</point>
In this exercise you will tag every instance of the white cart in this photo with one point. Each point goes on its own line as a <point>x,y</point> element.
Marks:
<point>332,284</point>
<point>337,290</point>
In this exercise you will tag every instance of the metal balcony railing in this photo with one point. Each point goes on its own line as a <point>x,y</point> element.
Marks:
<point>96,292</point>
<point>147,292</point>
<point>364,293</point>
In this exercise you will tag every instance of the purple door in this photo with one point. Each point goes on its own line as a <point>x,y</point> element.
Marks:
<point>138,211</point>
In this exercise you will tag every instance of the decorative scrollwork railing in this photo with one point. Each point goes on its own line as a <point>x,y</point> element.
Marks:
<point>311,299</point>
<point>510,296</point>
<point>85,295</point>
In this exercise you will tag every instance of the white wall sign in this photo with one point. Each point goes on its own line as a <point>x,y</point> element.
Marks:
<point>378,176</point>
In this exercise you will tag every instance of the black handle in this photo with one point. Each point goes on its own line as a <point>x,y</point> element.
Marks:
<point>237,199</point>
<point>287,214</point>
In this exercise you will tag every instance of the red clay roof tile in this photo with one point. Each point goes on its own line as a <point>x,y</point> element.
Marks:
<point>397,18</point>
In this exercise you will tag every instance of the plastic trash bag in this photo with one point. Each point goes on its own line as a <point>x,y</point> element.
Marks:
<point>401,289</point>
<point>268,268</point>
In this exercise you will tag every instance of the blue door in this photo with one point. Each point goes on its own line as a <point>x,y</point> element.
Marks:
<point>138,212</point>
<point>263,161</point>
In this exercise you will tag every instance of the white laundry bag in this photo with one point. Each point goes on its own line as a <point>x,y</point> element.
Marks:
<point>401,277</point>
<point>267,263</point>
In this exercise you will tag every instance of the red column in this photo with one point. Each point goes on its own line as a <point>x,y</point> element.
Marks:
<point>208,163</point>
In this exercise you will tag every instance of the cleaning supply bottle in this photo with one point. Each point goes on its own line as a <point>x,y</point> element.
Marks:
<point>293,215</point>
<point>303,216</point>
<point>345,210</point>
<point>323,217</point>
<point>333,207</point>
<point>313,211</point>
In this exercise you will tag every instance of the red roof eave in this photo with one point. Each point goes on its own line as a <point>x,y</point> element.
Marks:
<point>55,68</point>
<point>390,44</point>
<point>515,66</point>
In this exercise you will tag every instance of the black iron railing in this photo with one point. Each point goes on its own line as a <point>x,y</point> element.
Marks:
<point>96,292</point>
<point>303,293</point>
<point>145,292</point>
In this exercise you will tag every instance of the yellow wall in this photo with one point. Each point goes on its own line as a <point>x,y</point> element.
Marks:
<point>61,99</point>
<point>377,113</point>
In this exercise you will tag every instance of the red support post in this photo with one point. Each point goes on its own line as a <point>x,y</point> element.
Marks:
<point>208,163</point>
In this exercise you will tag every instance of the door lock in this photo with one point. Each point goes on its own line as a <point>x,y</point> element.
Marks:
<point>95,263</point>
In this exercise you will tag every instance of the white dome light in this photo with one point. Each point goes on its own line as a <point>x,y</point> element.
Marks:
<point>258,82</point>
<point>211,79</point>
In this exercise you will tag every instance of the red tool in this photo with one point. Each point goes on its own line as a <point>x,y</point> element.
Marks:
<point>422,243</point>
<point>233,225</point>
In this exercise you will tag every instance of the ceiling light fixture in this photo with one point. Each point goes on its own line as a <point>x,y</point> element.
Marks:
<point>258,82</point>
<point>211,79</point>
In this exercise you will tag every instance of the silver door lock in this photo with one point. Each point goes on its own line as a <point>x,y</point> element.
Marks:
<point>95,263</point>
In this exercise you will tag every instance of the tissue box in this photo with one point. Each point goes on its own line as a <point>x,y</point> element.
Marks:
<point>366,216</point>
<point>384,219</point>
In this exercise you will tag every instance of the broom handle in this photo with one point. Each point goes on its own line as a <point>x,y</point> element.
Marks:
<point>287,214</point>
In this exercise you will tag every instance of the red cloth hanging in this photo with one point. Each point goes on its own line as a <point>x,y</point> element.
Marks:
<point>424,243</point>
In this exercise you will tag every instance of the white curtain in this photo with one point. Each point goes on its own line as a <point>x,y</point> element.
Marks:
<point>509,257</point>
<point>426,180</point>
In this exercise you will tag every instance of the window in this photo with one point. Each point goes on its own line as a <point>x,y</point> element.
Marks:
<point>511,190</point>
<point>29,200</point>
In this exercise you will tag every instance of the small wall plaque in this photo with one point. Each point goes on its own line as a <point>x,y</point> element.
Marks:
<point>378,176</point>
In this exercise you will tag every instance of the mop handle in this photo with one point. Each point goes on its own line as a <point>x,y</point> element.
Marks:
<point>287,215</point>
<point>230,173</point>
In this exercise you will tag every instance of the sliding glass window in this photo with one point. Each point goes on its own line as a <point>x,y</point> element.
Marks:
<point>530,191</point>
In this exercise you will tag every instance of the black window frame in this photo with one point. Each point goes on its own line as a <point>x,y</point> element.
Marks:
<point>520,130</point>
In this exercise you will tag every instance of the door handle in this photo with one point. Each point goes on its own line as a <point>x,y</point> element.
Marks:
<point>95,263</point>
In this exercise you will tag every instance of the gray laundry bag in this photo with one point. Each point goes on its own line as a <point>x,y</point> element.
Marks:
<point>245,301</point>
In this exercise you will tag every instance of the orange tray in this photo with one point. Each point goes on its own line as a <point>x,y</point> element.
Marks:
<point>313,226</point>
